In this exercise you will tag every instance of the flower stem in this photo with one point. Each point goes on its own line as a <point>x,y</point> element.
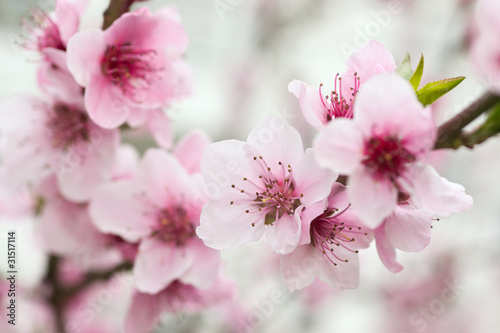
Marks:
<point>450,133</point>
<point>115,9</point>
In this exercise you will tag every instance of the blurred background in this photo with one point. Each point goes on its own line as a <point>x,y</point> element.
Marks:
<point>244,53</point>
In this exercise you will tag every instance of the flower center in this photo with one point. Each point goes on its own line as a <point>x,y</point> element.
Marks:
<point>336,104</point>
<point>174,225</point>
<point>43,32</point>
<point>128,68</point>
<point>387,157</point>
<point>272,196</point>
<point>67,126</point>
<point>328,232</point>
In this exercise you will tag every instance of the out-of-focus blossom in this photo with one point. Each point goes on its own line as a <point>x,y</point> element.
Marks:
<point>145,309</point>
<point>159,209</point>
<point>381,149</point>
<point>372,59</point>
<point>261,186</point>
<point>132,68</point>
<point>331,249</point>
<point>44,136</point>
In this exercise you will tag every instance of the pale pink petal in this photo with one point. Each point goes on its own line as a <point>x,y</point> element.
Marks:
<point>386,251</point>
<point>104,103</point>
<point>372,59</point>
<point>310,103</point>
<point>485,54</point>
<point>311,180</point>
<point>67,19</point>
<point>126,163</point>
<point>373,199</point>
<point>277,142</point>
<point>158,264</point>
<point>224,226</point>
<point>205,267</point>
<point>117,209</point>
<point>137,116</point>
<point>345,274</point>
<point>285,233</point>
<point>408,228</point>
<point>307,215</point>
<point>438,195</point>
<point>190,148</point>
<point>487,15</point>
<point>401,114</point>
<point>143,314</point>
<point>85,50</point>
<point>300,267</point>
<point>159,124</point>
<point>340,146</point>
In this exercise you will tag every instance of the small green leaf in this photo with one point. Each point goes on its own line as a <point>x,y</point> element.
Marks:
<point>417,76</point>
<point>404,68</point>
<point>432,91</point>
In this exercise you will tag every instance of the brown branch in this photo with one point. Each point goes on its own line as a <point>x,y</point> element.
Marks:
<point>116,9</point>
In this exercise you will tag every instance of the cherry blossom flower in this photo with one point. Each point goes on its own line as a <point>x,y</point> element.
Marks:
<point>261,186</point>
<point>486,49</point>
<point>53,30</point>
<point>42,136</point>
<point>407,229</point>
<point>157,209</point>
<point>145,309</point>
<point>128,72</point>
<point>331,250</point>
<point>319,109</point>
<point>381,149</point>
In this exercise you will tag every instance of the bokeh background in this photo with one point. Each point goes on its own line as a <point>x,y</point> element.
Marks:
<point>244,53</point>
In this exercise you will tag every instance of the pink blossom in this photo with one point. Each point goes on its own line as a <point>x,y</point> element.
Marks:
<point>261,186</point>
<point>331,249</point>
<point>381,149</point>
<point>486,49</point>
<point>46,136</point>
<point>145,309</point>
<point>53,30</point>
<point>131,68</point>
<point>407,229</point>
<point>319,109</point>
<point>158,209</point>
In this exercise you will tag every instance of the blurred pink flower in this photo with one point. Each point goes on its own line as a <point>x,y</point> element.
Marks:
<point>132,68</point>
<point>331,249</point>
<point>46,136</point>
<point>372,59</point>
<point>145,310</point>
<point>407,229</point>
<point>261,186</point>
<point>158,208</point>
<point>381,149</point>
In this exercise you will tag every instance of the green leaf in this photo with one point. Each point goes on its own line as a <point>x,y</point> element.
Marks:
<point>417,76</point>
<point>404,68</point>
<point>432,91</point>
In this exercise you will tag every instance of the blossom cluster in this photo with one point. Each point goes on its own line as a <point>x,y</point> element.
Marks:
<point>168,212</point>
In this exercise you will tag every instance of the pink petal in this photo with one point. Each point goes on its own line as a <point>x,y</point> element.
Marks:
<point>485,54</point>
<point>67,19</point>
<point>143,314</point>
<point>307,215</point>
<point>311,180</point>
<point>224,226</point>
<point>104,103</point>
<point>276,141</point>
<point>205,267</point>
<point>401,114</point>
<point>84,52</point>
<point>300,267</point>
<point>158,264</point>
<point>137,116</point>
<point>160,126</point>
<point>438,195</point>
<point>310,103</point>
<point>408,228</point>
<point>372,59</point>
<point>284,234</point>
<point>386,251</point>
<point>190,149</point>
<point>345,274</point>
<point>115,209</point>
<point>339,146</point>
<point>373,199</point>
